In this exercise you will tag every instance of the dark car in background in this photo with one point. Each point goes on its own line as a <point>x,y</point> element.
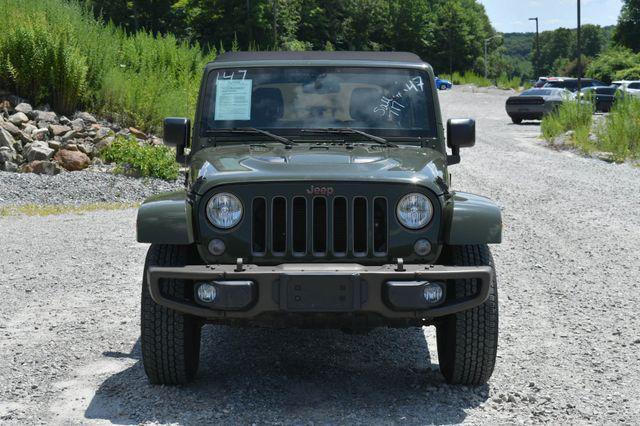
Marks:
<point>534,104</point>
<point>602,98</point>
<point>571,84</point>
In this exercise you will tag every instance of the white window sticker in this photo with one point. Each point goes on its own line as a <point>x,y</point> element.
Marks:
<point>233,100</point>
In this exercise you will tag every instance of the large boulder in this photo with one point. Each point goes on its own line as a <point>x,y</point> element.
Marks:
<point>7,154</point>
<point>86,117</point>
<point>72,160</point>
<point>58,129</point>
<point>10,127</point>
<point>9,166</point>
<point>42,168</point>
<point>46,116</point>
<point>6,139</point>
<point>24,108</point>
<point>18,118</point>
<point>38,150</point>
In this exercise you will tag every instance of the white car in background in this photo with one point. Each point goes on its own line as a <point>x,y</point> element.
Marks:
<point>631,87</point>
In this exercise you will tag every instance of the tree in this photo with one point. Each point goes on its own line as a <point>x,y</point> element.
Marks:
<point>628,31</point>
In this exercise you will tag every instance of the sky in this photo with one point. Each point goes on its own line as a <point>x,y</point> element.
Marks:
<point>509,16</point>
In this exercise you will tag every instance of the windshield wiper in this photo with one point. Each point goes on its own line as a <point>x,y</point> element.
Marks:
<point>350,131</point>
<point>254,130</point>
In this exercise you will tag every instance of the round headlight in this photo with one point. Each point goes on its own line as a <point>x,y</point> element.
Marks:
<point>224,210</point>
<point>414,211</point>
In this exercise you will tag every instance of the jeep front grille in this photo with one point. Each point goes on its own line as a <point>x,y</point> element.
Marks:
<point>319,226</point>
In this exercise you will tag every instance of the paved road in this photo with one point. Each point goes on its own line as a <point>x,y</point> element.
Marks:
<point>569,350</point>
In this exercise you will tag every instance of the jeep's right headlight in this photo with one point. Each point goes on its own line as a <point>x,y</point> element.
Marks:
<point>224,210</point>
<point>414,211</point>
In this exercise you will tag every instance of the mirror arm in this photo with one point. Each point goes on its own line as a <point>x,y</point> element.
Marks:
<point>454,158</point>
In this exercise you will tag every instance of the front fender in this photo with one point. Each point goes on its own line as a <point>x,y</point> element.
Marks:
<point>473,220</point>
<point>165,219</point>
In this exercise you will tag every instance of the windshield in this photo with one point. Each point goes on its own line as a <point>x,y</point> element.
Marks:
<point>393,102</point>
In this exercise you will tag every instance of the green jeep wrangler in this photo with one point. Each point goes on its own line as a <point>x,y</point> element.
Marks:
<point>318,195</point>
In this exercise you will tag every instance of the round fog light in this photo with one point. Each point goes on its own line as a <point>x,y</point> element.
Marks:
<point>432,293</point>
<point>207,293</point>
<point>216,247</point>
<point>422,247</point>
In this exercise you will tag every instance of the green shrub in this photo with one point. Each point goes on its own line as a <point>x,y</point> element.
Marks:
<point>570,116</point>
<point>607,66</point>
<point>43,66</point>
<point>470,77</point>
<point>504,82</point>
<point>620,133</point>
<point>141,159</point>
<point>56,52</point>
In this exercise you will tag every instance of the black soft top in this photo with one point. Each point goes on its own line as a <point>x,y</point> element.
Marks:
<point>406,57</point>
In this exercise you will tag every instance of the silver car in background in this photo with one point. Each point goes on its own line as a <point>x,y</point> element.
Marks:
<point>534,104</point>
<point>630,87</point>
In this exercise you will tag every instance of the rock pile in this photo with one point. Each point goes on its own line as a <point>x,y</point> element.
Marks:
<point>40,141</point>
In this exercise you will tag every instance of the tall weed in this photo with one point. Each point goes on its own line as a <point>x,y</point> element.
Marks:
<point>620,133</point>
<point>54,51</point>
<point>571,115</point>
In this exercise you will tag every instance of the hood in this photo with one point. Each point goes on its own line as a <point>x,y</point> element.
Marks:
<point>316,162</point>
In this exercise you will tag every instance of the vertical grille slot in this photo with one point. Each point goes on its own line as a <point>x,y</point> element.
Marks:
<point>340,226</point>
<point>380,225</point>
<point>359,225</point>
<point>299,225</point>
<point>279,230</point>
<point>319,225</point>
<point>259,226</point>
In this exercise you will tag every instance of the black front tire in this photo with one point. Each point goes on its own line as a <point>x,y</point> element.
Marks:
<point>443,87</point>
<point>468,340</point>
<point>516,120</point>
<point>170,340</point>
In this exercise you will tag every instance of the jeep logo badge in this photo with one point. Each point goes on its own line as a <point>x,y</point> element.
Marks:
<point>320,190</point>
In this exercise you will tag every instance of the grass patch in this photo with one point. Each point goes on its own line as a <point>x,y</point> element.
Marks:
<point>56,52</point>
<point>57,209</point>
<point>141,159</point>
<point>570,116</point>
<point>620,133</point>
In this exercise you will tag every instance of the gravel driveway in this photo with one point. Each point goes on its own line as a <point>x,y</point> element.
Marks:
<point>569,274</point>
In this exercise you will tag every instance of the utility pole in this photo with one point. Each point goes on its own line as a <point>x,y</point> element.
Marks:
<point>579,51</point>
<point>486,61</point>
<point>537,67</point>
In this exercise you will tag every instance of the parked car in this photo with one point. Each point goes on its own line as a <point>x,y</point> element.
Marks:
<point>534,104</point>
<point>443,84</point>
<point>571,84</point>
<point>319,195</point>
<point>541,82</point>
<point>602,98</point>
<point>628,86</point>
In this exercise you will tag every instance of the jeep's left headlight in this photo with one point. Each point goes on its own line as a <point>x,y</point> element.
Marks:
<point>414,211</point>
<point>224,210</point>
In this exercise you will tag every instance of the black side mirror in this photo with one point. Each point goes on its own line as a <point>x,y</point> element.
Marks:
<point>177,132</point>
<point>461,133</point>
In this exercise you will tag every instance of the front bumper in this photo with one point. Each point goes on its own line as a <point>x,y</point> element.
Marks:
<point>388,290</point>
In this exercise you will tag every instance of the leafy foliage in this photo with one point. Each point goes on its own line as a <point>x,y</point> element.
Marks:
<point>615,63</point>
<point>56,52</point>
<point>410,25</point>
<point>628,31</point>
<point>141,159</point>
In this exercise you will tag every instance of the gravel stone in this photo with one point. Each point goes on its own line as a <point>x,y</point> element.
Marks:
<point>71,289</point>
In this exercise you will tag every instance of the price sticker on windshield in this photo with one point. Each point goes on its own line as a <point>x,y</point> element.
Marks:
<point>233,100</point>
